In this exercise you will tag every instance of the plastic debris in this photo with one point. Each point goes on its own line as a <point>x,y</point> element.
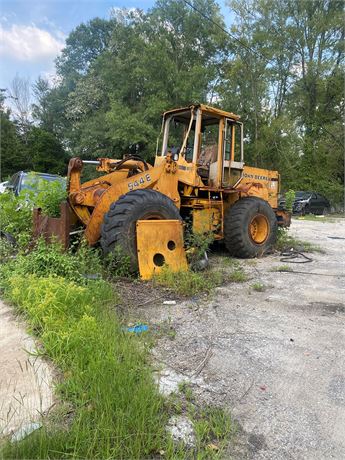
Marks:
<point>24,431</point>
<point>138,329</point>
<point>169,302</point>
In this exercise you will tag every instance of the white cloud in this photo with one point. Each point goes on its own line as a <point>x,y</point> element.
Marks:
<point>29,43</point>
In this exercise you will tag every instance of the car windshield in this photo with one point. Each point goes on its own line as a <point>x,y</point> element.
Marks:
<point>30,181</point>
<point>302,195</point>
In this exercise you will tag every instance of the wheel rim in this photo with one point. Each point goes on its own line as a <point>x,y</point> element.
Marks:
<point>259,229</point>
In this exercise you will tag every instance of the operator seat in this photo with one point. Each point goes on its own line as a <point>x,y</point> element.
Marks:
<point>207,156</point>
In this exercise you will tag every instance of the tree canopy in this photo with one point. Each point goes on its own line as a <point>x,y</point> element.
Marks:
<point>280,67</point>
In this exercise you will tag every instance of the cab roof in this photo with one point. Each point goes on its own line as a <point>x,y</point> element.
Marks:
<point>206,109</point>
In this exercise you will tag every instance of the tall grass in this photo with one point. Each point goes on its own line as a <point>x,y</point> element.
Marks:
<point>188,283</point>
<point>114,407</point>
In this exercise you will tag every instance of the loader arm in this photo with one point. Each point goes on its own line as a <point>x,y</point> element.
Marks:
<point>92,200</point>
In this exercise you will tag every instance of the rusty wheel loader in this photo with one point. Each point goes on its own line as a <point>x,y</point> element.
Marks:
<point>199,173</point>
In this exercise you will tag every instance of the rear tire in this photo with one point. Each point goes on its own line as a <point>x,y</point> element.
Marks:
<point>250,228</point>
<point>119,225</point>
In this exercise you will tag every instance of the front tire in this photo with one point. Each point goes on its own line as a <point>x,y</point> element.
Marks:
<point>250,228</point>
<point>119,225</point>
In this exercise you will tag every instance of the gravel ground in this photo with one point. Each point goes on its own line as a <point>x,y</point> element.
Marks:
<point>276,358</point>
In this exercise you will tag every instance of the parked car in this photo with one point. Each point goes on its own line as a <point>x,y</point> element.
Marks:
<point>3,186</point>
<point>310,202</point>
<point>29,180</point>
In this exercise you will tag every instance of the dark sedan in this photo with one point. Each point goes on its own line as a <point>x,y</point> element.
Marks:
<point>310,203</point>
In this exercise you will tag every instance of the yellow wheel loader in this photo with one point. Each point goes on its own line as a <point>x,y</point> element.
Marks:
<point>199,174</point>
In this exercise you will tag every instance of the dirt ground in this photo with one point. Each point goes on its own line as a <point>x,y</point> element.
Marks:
<point>276,358</point>
<point>25,379</point>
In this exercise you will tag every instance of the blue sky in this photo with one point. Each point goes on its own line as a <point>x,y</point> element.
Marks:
<point>33,31</point>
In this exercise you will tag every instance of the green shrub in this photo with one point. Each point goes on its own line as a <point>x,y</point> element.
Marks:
<point>51,260</point>
<point>16,216</point>
<point>197,244</point>
<point>49,196</point>
<point>89,260</point>
<point>289,199</point>
<point>6,251</point>
<point>45,260</point>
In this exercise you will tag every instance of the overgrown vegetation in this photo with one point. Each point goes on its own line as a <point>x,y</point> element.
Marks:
<point>283,268</point>
<point>188,283</point>
<point>286,242</point>
<point>16,211</point>
<point>107,382</point>
<point>238,275</point>
<point>118,264</point>
<point>258,287</point>
<point>48,196</point>
<point>197,245</point>
<point>109,406</point>
<point>289,199</point>
<point>213,426</point>
<point>16,217</point>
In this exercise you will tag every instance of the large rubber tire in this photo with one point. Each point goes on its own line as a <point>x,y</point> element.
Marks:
<point>119,225</point>
<point>250,228</point>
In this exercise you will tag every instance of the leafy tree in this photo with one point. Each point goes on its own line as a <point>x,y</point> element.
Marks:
<point>45,152</point>
<point>13,155</point>
<point>288,84</point>
<point>83,46</point>
<point>283,73</point>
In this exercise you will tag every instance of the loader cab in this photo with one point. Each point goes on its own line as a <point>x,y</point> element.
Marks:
<point>209,138</point>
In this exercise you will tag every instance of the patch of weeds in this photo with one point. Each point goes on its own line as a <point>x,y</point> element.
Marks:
<point>285,242</point>
<point>185,388</point>
<point>45,260</point>
<point>7,251</point>
<point>118,263</point>
<point>213,427</point>
<point>166,329</point>
<point>283,268</point>
<point>188,283</point>
<point>174,404</point>
<point>229,262</point>
<point>89,259</point>
<point>238,276</point>
<point>16,217</point>
<point>259,287</point>
<point>309,247</point>
<point>251,262</point>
